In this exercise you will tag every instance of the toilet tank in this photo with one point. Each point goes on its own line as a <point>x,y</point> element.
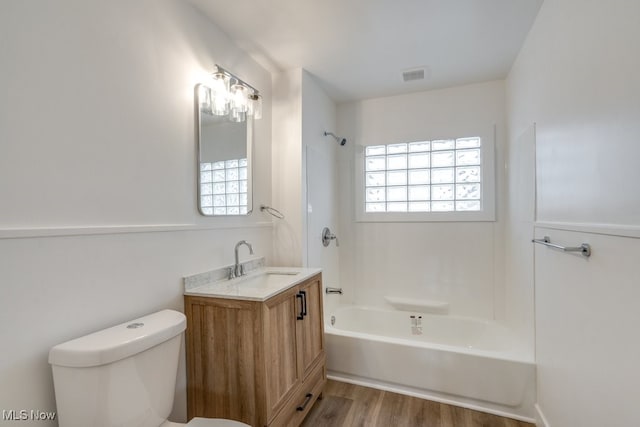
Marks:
<point>121,376</point>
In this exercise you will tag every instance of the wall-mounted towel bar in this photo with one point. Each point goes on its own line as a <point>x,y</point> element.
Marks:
<point>584,249</point>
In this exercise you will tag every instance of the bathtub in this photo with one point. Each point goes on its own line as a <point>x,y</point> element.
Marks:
<point>468,362</point>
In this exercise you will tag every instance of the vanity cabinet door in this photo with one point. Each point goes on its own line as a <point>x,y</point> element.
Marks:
<point>222,359</point>
<point>311,331</point>
<point>281,343</point>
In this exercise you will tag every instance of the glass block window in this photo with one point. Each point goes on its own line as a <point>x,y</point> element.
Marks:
<point>424,176</point>
<point>223,187</point>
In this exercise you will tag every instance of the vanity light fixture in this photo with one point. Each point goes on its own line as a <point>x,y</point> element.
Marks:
<point>228,95</point>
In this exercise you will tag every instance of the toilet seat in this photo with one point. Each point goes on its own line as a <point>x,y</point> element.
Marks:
<point>214,422</point>
<point>206,422</point>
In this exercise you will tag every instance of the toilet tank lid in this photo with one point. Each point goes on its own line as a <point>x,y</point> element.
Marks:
<point>119,342</point>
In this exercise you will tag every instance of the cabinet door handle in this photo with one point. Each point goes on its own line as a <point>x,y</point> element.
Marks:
<point>302,313</point>
<point>307,399</point>
<point>304,302</point>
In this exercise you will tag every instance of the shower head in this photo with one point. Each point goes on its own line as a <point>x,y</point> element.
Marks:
<point>341,141</point>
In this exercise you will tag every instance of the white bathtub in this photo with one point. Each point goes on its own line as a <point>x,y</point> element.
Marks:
<point>468,362</point>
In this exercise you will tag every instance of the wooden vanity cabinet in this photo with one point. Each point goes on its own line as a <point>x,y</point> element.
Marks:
<point>262,363</point>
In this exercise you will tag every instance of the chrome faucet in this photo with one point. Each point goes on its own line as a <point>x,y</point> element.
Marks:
<point>238,269</point>
<point>329,290</point>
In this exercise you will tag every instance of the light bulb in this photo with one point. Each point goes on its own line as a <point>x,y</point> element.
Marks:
<point>237,116</point>
<point>239,98</point>
<point>255,106</point>
<point>220,94</point>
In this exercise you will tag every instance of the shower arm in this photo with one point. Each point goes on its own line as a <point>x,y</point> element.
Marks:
<point>338,139</point>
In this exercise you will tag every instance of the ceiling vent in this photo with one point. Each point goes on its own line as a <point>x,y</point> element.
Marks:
<point>411,75</point>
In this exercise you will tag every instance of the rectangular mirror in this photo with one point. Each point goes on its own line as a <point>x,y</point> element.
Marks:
<point>224,160</point>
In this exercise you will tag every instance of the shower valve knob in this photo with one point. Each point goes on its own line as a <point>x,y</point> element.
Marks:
<point>328,236</point>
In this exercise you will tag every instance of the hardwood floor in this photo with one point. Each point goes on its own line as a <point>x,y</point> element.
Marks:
<point>351,405</point>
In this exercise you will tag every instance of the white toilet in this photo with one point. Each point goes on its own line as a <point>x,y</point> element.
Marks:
<point>123,376</point>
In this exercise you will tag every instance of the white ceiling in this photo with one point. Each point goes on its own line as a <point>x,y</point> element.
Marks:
<point>358,48</point>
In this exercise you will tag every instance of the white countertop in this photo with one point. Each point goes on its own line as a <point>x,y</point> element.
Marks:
<point>258,285</point>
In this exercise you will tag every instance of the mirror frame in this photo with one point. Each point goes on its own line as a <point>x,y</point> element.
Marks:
<point>249,143</point>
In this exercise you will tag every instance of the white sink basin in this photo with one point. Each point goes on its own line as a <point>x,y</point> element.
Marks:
<point>268,279</point>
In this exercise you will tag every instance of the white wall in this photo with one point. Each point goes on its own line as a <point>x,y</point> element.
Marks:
<point>288,183</point>
<point>587,321</point>
<point>321,155</point>
<point>461,263</point>
<point>98,218</point>
<point>305,185</point>
<point>576,78</point>
<point>519,230</point>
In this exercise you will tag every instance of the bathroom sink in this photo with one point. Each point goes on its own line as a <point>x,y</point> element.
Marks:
<point>268,279</point>
<point>257,285</point>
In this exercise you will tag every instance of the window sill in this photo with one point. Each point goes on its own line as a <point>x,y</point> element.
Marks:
<point>481,216</point>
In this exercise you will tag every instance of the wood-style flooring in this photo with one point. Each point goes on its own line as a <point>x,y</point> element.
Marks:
<point>352,405</point>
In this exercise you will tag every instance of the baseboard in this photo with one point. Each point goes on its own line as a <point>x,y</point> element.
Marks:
<point>541,421</point>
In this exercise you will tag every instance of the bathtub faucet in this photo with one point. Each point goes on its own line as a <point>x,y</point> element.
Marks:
<point>330,290</point>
